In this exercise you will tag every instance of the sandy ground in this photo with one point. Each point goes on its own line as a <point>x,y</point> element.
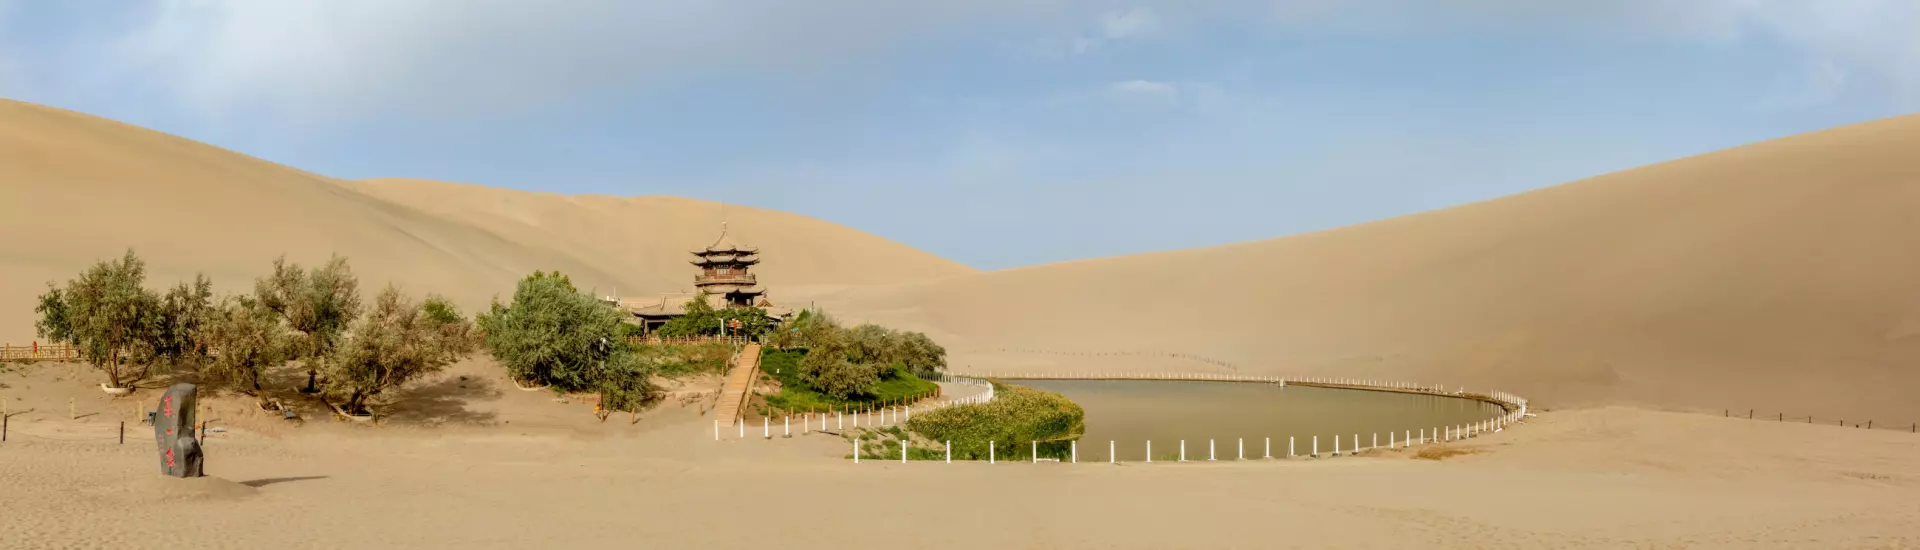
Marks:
<point>533,472</point>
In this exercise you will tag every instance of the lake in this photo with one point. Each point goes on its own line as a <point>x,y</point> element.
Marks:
<point>1130,412</point>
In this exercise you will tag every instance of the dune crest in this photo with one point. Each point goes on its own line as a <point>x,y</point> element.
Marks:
<point>75,189</point>
<point>1782,275</point>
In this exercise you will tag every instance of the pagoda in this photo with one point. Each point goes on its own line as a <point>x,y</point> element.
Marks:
<point>724,273</point>
<point>723,279</point>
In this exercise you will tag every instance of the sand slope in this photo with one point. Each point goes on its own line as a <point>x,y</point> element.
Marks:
<point>1784,275</point>
<point>76,188</point>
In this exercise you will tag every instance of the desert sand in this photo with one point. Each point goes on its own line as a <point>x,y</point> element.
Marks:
<point>1780,276</point>
<point>518,470</point>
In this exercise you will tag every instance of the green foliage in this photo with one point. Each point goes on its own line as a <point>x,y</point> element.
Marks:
<point>120,326</point>
<point>397,342</point>
<point>1015,418</point>
<point>680,360</point>
<point>554,334</point>
<point>250,338</point>
<point>701,319</point>
<point>898,386</point>
<point>185,312</point>
<point>318,305</point>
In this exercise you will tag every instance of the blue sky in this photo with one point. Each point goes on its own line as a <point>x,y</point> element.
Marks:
<point>998,133</point>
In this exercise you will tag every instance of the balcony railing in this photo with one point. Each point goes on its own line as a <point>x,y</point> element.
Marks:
<point>741,279</point>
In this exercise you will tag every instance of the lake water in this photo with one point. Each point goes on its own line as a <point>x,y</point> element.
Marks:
<point>1130,412</point>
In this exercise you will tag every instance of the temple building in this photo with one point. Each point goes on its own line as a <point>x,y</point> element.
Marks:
<point>724,276</point>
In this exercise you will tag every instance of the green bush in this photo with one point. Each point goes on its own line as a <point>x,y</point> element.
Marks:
<point>680,360</point>
<point>1017,417</point>
<point>897,386</point>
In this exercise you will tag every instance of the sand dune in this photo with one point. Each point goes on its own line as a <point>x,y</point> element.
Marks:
<point>75,189</point>
<point>1783,275</point>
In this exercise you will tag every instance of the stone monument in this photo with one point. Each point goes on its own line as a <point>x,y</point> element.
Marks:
<point>173,426</point>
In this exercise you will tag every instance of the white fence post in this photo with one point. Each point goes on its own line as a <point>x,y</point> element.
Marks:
<point>1075,450</point>
<point>903,451</point>
<point>1110,458</point>
<point>742,423</point>
<point>1243,448</point>
<point>856,451</point>
<point>1210,455</point>
<point>949,446</point>
<point>1183,450</point>
<point>1289,446</point>
<point>1316,446</point>
<point>990,452</point>
<point>716,430</point>
<point>787,425</point>
<point>1149,450</point>
<point>841,417</point>
<point>1035,452</point>
<point>766,427</point>
<point>1269,453</point>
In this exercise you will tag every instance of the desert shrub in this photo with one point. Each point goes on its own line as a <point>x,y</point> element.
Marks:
<point>316,304</point>
<point>251,339</point>
<point>397,342</point>
<point>120,326</point>
<point>553,334</point>
<point>1017,416</point>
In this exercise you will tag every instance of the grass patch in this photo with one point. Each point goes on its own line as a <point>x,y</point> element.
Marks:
<point>685,360</point>
<point>1442,453</point>
<point>1007,427</point>
<point>897,385</point>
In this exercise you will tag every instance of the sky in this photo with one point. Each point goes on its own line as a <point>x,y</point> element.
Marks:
<point>998,133</point>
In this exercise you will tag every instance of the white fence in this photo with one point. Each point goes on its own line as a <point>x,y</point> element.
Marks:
<point>1513,410</point>
<point>878,417</point>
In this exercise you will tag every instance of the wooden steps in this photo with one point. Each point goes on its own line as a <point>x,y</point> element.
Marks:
<point>739,387</point>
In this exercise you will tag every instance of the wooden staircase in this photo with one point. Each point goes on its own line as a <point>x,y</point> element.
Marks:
<point>739,387</point>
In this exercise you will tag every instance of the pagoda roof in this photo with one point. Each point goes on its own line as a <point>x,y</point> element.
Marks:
<point>725,245</point>
<point>724,257</point>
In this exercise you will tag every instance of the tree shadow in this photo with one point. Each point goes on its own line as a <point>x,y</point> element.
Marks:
<point>442,402</point>
<point>258,483</point>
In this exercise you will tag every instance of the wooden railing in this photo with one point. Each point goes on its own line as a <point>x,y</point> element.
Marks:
<point>39,352</point>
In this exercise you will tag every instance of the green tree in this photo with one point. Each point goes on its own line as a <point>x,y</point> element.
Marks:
<point>251,339</point>
<point>185,312</point>
<point>318,304</point>
<point>829,368</point>
<point>397,342</point>
<point>700,319</point>
<point>920,354</point>
<point>120,326</point>
<point>553,334</point>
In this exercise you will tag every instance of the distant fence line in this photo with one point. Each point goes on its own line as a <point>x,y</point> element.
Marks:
<point>1513,410</point>
<point>1911,427</point>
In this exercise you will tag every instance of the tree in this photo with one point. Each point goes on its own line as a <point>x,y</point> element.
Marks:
<point>921,355</point>
<point>119,326</point>
<point>399,341</point>
<point>250,337</point>
<point>318,305</point>
<point>828,367</point>
<point>700,319</point>
<point>553,334</point>
<point>185,312</point>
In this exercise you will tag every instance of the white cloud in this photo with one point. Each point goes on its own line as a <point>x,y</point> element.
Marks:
<point>320,59</point>
<point>1146,88</point>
